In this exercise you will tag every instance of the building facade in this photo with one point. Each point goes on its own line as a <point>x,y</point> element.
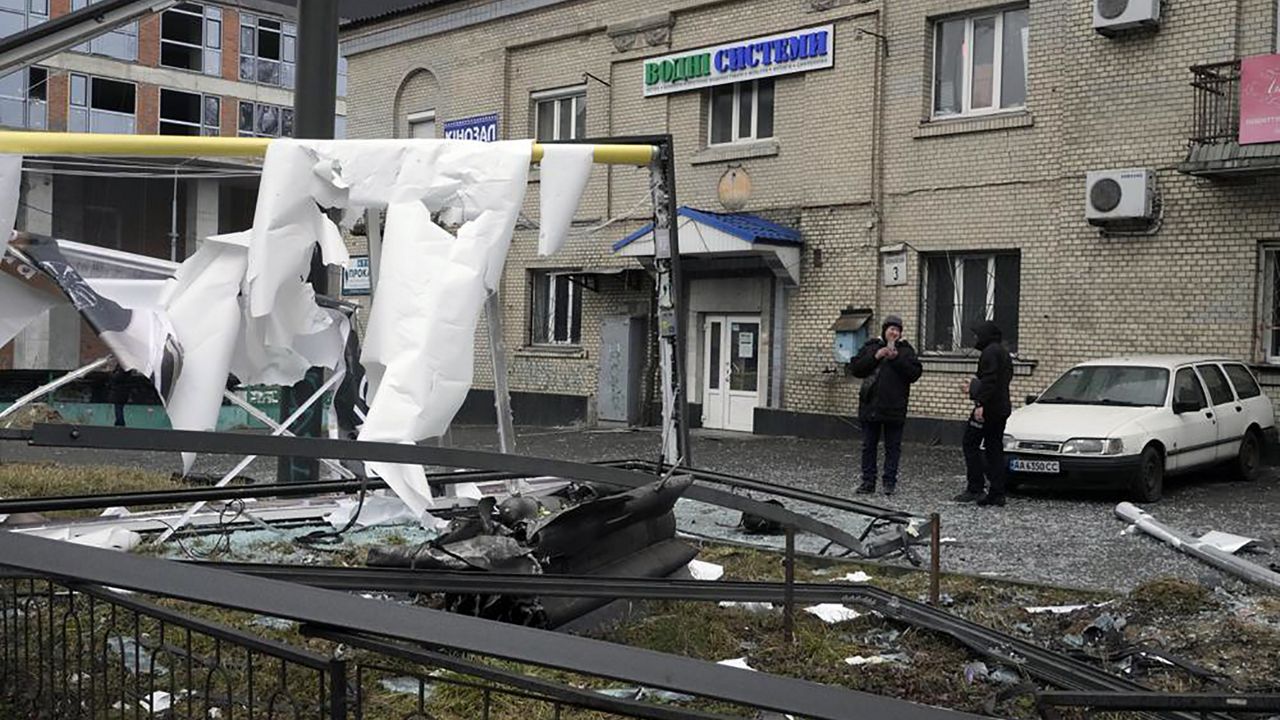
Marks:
<point>196,69</point>
<point>948,161</point>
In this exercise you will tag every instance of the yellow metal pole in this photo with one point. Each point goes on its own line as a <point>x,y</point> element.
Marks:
<point>54,143</point>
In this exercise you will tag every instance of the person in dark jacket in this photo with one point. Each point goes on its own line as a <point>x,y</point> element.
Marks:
<point>984,436</point>
<point>118,391</point>
<point>888,366</point>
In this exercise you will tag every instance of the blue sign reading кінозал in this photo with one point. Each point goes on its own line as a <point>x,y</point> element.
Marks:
<point>481,127</point>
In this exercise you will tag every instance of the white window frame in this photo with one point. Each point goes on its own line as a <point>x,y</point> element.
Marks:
<point>734,137</point>
<point>578,93</point>
<point>201,126</point>
<point>997,75</point>
<point>210,54</point>
<point>421,117</point>
<point>957,299</point>
<point>1270,255</point>
<point>30,16</point>
<point>550,319</point>
<point>35,112</point>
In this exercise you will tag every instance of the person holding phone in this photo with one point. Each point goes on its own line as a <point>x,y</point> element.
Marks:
<point>888,365</point>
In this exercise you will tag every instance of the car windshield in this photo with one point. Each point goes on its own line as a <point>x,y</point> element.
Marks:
<point>1110,385</point>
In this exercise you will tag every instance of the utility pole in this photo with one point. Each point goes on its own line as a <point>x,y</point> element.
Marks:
<point>314,103</point>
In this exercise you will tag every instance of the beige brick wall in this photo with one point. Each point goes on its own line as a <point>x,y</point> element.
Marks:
<point>858,163</point>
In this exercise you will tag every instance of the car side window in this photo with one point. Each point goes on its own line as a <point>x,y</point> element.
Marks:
<point>1187,387</point>
<point>1246,387</point>
<point>1219,389</point>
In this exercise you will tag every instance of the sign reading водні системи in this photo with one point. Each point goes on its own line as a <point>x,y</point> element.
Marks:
<point>780,54</point>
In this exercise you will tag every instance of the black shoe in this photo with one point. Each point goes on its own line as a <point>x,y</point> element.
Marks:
<point>866,488</point>
<point>989,499</point>
<point>890,489</point>
<point>967,497</point>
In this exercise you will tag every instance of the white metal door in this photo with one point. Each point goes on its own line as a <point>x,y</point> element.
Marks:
<point>731,371</point>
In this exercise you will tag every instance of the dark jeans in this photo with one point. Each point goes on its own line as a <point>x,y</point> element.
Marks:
<point>872,430</point>
<point>985,466</point>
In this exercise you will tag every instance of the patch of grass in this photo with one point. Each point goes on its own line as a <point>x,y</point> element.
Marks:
<point>1171,596</point>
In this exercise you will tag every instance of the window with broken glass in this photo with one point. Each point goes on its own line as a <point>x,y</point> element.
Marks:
<point>191,38</point>
<point>263,120</point>
<point>24,99</point>
<point>183,113</point>
<point>555,310</point>
<point>961,290</point>
<point>268,50</point>
<point>120,43</point>
<point>101,105</point>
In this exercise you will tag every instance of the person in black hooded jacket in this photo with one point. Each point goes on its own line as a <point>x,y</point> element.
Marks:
<point>989,392</point>
<point>888,366</point>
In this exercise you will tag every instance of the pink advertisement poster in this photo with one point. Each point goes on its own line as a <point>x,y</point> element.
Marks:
<point>1260,99</point>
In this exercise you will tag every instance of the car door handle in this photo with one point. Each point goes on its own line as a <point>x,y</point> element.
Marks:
<point>1239,409</point>
<point>1209,415</point>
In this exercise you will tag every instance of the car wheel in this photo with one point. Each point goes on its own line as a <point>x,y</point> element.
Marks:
<point>1249,458</point>
<point>1148,484</point>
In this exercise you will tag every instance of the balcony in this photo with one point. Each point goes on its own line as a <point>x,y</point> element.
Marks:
<point>1214,149</point>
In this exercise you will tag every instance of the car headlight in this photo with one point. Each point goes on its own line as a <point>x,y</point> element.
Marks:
<point>1093,446</point>
<point>1010,443</point>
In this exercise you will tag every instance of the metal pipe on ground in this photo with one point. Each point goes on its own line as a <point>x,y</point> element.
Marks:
<point>1224,561</point>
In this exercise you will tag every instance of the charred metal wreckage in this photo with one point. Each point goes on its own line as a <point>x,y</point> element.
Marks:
<point>508,569</point>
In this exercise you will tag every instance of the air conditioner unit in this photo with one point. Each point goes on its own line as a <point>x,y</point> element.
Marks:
<point>1112,195</point>
<point>1112,15</point>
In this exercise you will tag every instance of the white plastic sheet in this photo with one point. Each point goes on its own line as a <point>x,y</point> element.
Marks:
<point>10,189</point>
<point>740,663</point>
<point>1227,542</point>
<point>752,607</point>
<point>377,510</point>
<point>564,172</point>
<point>854,577</point>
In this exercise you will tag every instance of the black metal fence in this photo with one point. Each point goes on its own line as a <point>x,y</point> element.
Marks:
<point>1217,103</point>
<point>89,652</point>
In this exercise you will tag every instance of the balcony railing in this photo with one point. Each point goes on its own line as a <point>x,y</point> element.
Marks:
<point>1217,103</point>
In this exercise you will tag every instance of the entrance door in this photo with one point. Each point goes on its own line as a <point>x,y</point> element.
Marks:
<point>731,372</point>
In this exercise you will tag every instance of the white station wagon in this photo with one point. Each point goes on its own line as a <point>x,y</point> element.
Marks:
<point>1134,419</point>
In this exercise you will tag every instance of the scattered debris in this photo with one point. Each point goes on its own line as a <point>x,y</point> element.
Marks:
<point>135,658</point>
<point>752,607</point>
<point>274,623</point>
<point>407,686</point>
<point>376,510</point>
<point>646,694</point>
<point>882,659</point>
<point>854,577</point>
<point>1228,542</point>
<point>1056,609</point>
<point>1210,554</point>
<point>1106,630</point>
<point>975,671</point>
<point>756,525</point>
<point>832,613</point>
<point>701,570</point>
<point>740,663</point>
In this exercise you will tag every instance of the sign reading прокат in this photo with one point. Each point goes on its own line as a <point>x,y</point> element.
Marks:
<point>780,54</point>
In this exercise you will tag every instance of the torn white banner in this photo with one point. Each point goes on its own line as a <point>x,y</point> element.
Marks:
<point>832,613</point>
<point>109,539</point>
<point>377,510</point>
<point>20,304</point>
<point>563,175</point>
<point>10,190</point>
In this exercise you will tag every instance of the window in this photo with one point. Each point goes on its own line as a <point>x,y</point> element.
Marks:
<point>23,96</point>
<point>1219,389</point>
<point>963,290</point>
<point>980,63</point>
<point>561,114</point>
<point>101,105</point>
<point>422,124</point>
<point>1186,388</point>
<point>121,43</point>
<point>740,112</point>
<point>556,310</point>
<point>191,38</point>
<point>1242,380</point>
<point>342,77</point>
<point>339,127</point>
<point>183,113</point>
<point>268,51</point>
<point>1109,385</point>
<point>263,120</point>
<point>1270,286</point>
<point>18,15</point>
